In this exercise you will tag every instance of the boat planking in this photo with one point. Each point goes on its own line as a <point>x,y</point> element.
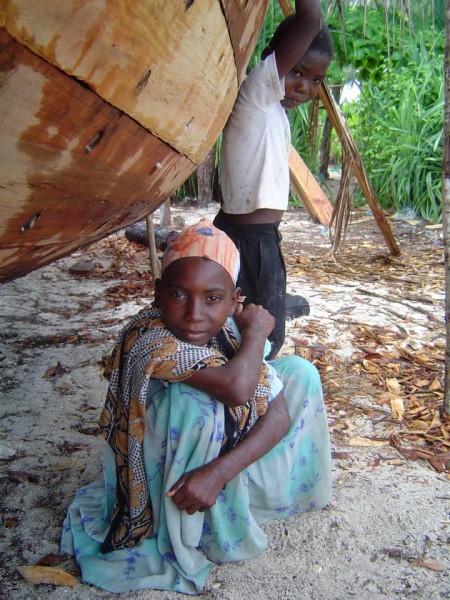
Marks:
<point>106,108</point>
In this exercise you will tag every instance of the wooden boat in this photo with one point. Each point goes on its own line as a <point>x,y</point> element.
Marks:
<point>106,108</point>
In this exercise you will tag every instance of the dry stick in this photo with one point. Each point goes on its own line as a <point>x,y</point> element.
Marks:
<point>398,315</point>
<point>338,121</point>
<point>341,212</point>
<point>411,279</point>
<point>423,434</point>
<point>154,263</point>
<point>398,301</point>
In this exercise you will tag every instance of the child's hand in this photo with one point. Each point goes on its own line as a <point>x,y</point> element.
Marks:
<point>254,317</point>
<point>197,490</point>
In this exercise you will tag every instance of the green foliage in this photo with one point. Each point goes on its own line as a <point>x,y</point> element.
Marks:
<point>397,122</point>
<point>366,35</point>
<point>398,126</point>
<point>360,40</point>
<point>188,190</point>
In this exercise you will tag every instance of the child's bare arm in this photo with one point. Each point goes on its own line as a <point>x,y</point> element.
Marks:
<point>296,41</point>
<point>198,490</point>
<point>233,384</point>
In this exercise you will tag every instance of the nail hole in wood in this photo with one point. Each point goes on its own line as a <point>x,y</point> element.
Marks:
<point>140,87</point>
<point>29,224</point>
<point>95,141</point>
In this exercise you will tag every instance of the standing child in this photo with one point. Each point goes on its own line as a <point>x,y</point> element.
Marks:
<point>254,173</point>
<point>205,440</point>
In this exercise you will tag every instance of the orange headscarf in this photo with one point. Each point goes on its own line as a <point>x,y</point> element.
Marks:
<point>204,240</point>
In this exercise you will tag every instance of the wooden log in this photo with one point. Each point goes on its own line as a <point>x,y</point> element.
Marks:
<point>309,191</point>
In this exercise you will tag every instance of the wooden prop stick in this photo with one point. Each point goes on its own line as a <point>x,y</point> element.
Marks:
<point>309,191</point>
<point>345,137</point>
<point>154,262</point>
<point>286,7</point>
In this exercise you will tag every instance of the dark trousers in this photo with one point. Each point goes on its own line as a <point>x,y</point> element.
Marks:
<point>262,276</point>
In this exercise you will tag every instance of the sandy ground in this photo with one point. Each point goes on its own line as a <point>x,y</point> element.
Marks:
<point>386,533</point>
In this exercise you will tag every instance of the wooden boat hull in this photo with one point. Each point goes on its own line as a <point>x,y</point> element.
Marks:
<point>106,108</point>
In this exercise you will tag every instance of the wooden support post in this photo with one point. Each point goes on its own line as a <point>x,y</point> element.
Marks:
<point>154,262</point>
<point>306,187</point>
<point>165,217</point>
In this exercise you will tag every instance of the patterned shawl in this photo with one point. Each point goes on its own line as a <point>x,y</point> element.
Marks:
<point>146,350</point>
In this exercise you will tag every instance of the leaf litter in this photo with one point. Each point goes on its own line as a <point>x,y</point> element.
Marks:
<point>395,345</point>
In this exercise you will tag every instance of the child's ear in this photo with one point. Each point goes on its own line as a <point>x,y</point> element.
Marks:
<point>235,300</point>
<point>157,300</point>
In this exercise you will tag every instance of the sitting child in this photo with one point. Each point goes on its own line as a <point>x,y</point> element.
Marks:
<point>206,440</point>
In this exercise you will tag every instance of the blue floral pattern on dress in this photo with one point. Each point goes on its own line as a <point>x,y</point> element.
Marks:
<point>184,431</point>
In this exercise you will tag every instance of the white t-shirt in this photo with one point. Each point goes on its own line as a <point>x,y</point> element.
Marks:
<point>256,142</point>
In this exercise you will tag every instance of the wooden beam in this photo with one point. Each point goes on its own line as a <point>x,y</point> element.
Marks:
<point>309,191</point>
<point>155,267</point>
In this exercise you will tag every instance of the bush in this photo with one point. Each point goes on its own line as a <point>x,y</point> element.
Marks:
<point>398,126</point>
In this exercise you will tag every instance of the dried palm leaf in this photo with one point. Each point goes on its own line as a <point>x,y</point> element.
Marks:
<point>342,206</point>
<point>340,125</point>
